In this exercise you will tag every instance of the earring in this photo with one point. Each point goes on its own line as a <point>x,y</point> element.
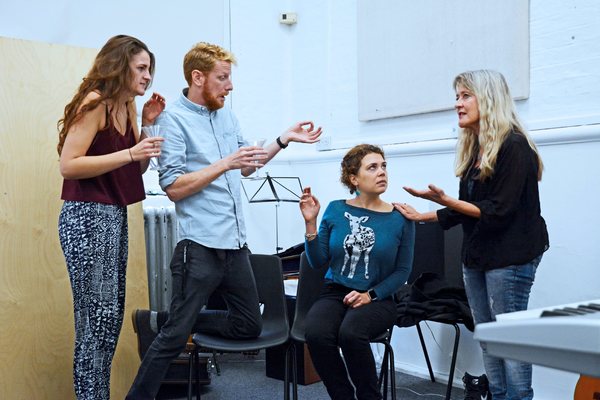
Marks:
<point>357,191</point>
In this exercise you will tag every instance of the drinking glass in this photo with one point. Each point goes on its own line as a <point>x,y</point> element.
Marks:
<point>152,131</point>
<point>259,142</point>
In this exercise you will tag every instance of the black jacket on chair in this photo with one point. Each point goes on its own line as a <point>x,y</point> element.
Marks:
<point>430,298</point>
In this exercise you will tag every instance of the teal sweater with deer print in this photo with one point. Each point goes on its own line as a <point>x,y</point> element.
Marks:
<point>363,249</point>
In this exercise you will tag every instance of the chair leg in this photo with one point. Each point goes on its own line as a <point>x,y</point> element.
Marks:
<point>286,374</point>
<point>392,370</point>
<point>197,362</point>
<point>387,366</point>
<point>453,363</point>
<point>381,371</point>
<point>383,374</point>
<point>290,366</point>
<point>215,363</point>
<point>295,372</point>
<point>425,352</point>
<point>190,368</point>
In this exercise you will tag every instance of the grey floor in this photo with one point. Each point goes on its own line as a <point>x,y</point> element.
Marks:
<point>243,377</point>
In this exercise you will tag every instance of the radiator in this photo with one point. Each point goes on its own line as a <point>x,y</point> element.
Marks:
<point>160,229</point>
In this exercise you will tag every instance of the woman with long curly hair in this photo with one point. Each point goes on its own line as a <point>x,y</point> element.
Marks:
<point>499,208</point>
<point>102,158</point>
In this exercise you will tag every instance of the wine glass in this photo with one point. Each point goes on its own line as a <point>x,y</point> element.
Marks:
<point>152,131</point>
<point>258,142</point>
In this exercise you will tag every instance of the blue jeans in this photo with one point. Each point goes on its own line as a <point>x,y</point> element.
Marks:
<point>197,272</point>
<point>494,292</point>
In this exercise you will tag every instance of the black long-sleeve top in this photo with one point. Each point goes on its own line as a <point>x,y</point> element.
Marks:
<point>510,230</point>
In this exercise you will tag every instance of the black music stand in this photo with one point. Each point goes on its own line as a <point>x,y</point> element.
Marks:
<point>273,189</point>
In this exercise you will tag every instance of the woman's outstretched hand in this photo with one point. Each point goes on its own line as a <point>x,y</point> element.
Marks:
<point>432,193</point>
<point>309,206</point>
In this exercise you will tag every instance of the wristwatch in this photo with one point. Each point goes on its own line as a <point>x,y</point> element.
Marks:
<point>280,143</point>
<point>372,294</point>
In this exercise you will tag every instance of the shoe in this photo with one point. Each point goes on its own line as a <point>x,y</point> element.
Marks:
<point>146,325</point>
<point>476,387</point>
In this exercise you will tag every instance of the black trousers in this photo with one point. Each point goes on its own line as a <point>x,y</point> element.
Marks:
<point>197,272</point>
<point>331,326</point>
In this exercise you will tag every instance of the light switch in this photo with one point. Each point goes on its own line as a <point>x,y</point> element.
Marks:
<point>288,18</point>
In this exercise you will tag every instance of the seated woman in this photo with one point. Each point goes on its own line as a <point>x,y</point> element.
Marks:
<point>367,247</point>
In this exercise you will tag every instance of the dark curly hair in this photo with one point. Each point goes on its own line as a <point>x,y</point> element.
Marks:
<point>352,160</point>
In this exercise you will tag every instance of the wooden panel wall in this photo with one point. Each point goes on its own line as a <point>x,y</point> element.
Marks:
<point>36,316</point>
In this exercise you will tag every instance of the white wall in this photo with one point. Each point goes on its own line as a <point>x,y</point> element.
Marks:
<point>423,50</point>
<point>319,69</point>
<point>169,32</point>
<point>309,70</point>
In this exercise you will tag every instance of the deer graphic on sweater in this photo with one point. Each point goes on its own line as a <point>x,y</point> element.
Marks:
<point>359,241</point>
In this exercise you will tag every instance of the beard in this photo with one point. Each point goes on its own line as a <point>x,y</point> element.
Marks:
<point>213,103</point>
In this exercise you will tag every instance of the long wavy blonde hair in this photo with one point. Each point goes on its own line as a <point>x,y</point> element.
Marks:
<point>110,75</point>
<point>497,119</point>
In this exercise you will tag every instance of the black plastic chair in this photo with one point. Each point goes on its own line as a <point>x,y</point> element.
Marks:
<point>438,251</point>
<point>442,320</point>
<point>275,331</point>
<point>310,282</point>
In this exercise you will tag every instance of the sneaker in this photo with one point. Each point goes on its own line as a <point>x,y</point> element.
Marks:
<point>146,324</point>
<point>476,387</point>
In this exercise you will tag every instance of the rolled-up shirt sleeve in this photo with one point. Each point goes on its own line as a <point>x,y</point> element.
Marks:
<point>173,152</point>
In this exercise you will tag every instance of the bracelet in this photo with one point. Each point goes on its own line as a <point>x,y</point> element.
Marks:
<point>309,236</point>
<point>280,143</point>
<point>130,154</point>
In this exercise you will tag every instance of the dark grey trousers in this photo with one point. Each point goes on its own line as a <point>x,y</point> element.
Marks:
<point>197,272</point>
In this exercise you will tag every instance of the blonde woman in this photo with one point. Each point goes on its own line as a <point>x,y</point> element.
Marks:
<point>499,208</point>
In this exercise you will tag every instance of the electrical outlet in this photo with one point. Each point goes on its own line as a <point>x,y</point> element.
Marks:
<point>324,144</point>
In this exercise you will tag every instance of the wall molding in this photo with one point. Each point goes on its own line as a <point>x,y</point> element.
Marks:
<point>542,137</point>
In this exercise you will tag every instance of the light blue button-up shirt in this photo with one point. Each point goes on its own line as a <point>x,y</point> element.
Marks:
<point>195,138</point>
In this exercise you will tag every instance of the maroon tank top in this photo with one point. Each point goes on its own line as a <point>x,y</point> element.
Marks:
<point>121,186</point>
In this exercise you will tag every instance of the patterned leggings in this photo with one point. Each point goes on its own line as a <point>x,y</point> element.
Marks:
<point>93,238</point>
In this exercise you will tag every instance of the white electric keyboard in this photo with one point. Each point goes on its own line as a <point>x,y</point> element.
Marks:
<point>564,337</point>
